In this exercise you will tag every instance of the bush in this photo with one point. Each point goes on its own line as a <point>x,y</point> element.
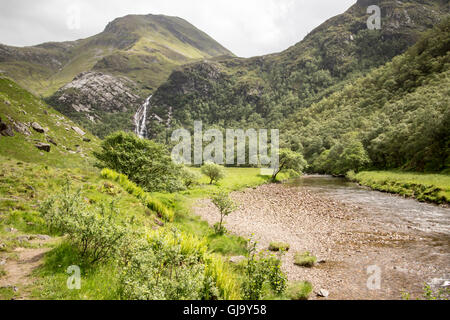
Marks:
<point>91,229</point>
<point>305,259</point>
<point>279,246</point>
<point>174,266</point>
<point>145,162</point>
<point>153,204</point>
<point>260,270</point>
<point>300,290</point>
<point>213,171</point>
<point>189,177</point>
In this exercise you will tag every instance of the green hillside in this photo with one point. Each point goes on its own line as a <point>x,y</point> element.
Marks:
<point>397,116</point>
<point>264,91</point>
<point>18,110</point>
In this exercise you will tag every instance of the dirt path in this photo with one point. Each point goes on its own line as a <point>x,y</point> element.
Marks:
<point>342,235</point>
<point>19,268</point>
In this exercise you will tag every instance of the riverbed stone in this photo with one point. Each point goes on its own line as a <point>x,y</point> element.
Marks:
<point>323,293</point>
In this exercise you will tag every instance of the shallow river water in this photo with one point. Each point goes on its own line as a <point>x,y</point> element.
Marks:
<point>385,208</point>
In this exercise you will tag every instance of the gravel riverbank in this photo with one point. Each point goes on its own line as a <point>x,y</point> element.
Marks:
<point>343,235</point>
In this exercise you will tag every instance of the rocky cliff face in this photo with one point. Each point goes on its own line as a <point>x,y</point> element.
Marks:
<point>93,98</point>
<point>95,92</point>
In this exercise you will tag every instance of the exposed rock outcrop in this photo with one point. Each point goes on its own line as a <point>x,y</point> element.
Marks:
<point>94,93</point>
<point>37,127</point>
<point>5,130</point>
<point>43,146</point>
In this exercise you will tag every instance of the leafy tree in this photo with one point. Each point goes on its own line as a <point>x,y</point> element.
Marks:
<point>213,171</point>
<point>145,162</point>
<point>289,160</point>
<point>226,206</point>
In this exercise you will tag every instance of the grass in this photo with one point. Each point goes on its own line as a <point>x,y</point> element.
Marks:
<point>279,246</point>
<point>151,203</point>
<point>423,187</point>
<point>98,282</point>
<point>235,179</point>
<point>24,185</point>
<point>22,106</point>
<point>299,290</point>
<point>305,259</point>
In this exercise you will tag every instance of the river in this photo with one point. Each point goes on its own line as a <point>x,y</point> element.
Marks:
<point>386,208</point>
<point>351,229</point>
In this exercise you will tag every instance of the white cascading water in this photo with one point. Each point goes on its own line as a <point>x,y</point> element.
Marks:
<point>140,119</point>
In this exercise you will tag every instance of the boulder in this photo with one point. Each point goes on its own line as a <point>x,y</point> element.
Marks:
<point>43,146</point>
<point>21,128</point>
<point>37,127</point>
<point>5,130</point>
<point>50,140</point>
<point>79,131</point>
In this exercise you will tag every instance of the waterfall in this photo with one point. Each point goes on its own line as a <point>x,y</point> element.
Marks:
<point>140,119</point>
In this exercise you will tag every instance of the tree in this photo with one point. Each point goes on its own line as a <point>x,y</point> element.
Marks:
<point>145,162</point>
<point>289,160</point>
<point>226,206</point>
<point>213,171</point>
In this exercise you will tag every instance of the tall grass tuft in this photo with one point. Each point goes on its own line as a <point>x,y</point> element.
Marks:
<point>151,203</point>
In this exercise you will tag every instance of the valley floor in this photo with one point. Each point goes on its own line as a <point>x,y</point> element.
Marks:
<point>344,237</point>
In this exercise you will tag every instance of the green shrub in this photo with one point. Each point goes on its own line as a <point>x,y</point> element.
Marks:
<point>279,246</point>
<point>300,290</point>
<point>153,204</point>
<point>213,171</point>
<point>189,177</point>
<point>91,229</point>
<point>145,162</point>
<point>260,270</point>
<point>305,259</point>
<point>171,265</point>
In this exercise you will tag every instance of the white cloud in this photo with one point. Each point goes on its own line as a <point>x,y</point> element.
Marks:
<point>246,27</point>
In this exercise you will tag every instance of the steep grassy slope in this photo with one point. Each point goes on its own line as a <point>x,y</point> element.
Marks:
<point>265,90</point>
<point>398,115</point>
<point>144,48</point>
<point>19,109</point>
<point>29,176</point>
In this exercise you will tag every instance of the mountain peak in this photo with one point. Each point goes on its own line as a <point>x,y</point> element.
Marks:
<point>151,26</point>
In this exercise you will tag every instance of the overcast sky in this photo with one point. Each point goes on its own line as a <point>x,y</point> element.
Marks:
<point>246,27</point>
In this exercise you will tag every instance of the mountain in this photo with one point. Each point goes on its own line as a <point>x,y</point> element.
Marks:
<point>397,116</point>
<point>32,131</point>
<point>101,81</point>
<point>264,91</point>
<point>144,48</point>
